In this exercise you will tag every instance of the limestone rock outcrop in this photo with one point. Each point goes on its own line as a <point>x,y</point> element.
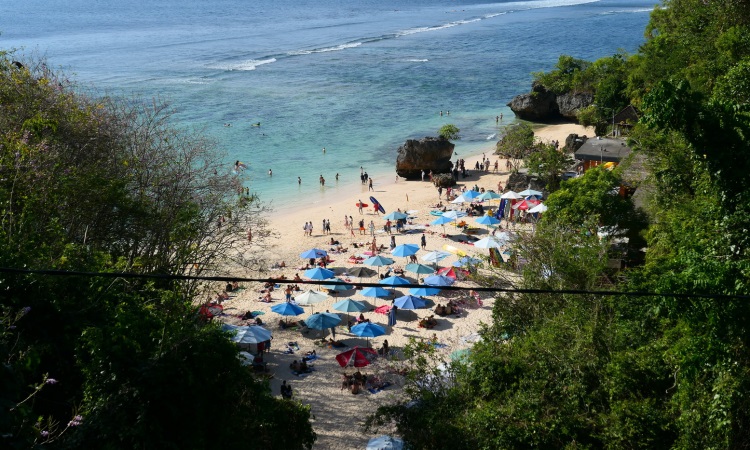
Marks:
<point>428,154</point>
<point>537,105</point>
<point>541,105</point>
<point>569,103</point>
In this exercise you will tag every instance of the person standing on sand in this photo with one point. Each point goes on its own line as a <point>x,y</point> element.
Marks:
<point>422,174</point>
<point>499,187</point>
<point>362,226</point>
<point>423,241</point>
<point>346,222</point>
<point>372,228</point>
<point>311,228</point>
<point>369,185</point>
<point>359,205</point>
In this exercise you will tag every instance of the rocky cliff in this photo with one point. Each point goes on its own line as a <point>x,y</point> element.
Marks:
<point>542,105</point>
<point>428,154</point>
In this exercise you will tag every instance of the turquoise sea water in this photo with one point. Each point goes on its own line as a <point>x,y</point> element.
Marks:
<point>358,78</point>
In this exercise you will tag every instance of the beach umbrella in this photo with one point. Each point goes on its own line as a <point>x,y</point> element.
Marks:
<point>375,292</point>
<point>360,272</point>
<point>529,193</point>
<point>448,272</point>
<point>377,261</point>
<point>322,321</point>
<point>439,280</point>
<point>319,273</point>
<point>471,195</point>
<point>368,330</point>
<point>419,269</point>
<point>405,250</point>
<point>310,298</point>
<point>349,305</point>
<point>490,242</point>
<point>252,334</point>
<point>460,199</point>
<point>540,208</point>
<point>489,195</point>
<point>287,309</point>
<point>394,281</point>
<point>357,357</point>
<point>510,195</point>
<point>410,302</point>
<point>435,257</point>
<point>313,253</point>
<point>422,291</point>
<point>453,215</point>
<point>525,204</point>
<point>395,215</point>
<point>385,443</point>
<point>338,287</point>
<point>466,261</point>
<point>487,220</point>
<point>441,221</point>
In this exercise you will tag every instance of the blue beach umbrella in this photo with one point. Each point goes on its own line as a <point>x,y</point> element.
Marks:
<point>410,302</point>
<point>319,273</point>
<point>375,292</point>
<point>487,220</point>
<point>322,321</point>
<point>467,261</point>
<point>439,280</point>
<point>287,309</point>
<point>421,291</point>
<point>489,195</point>
<point>405,250</point>
<point>453,215</point>
<point>419,269</point>
<point>313,253</point>
<point>435,257</point>
<point>394,281</point>
<point>471,195</point>
<point>349,305</point>
<point>530,193</point>
<point>338,287</point>
<point>377,261</point>
<point>368,330</point>
<point>442,220</point>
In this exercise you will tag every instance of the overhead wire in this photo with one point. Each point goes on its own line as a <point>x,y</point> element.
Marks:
<point>229,279</point>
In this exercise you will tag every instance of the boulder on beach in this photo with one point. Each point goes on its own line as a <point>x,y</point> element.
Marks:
<point>428,154</point>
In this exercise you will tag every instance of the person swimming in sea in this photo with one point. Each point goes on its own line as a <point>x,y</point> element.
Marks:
<point>256,124</point>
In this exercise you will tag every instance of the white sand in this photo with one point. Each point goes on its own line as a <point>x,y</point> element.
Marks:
<point>338,414</point>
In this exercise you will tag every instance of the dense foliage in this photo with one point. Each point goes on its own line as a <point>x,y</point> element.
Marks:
<point>628,371</point>
<point>98,185</point>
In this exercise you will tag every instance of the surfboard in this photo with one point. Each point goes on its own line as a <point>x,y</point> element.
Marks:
<point>376,202</point>
<point>363,205</point>
<point>454,250</point>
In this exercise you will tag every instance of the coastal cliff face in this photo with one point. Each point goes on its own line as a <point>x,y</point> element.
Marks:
<point>428,154</point>
<point>541,105</point>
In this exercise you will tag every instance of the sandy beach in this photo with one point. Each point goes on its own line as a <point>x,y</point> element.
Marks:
<point>338,414</point>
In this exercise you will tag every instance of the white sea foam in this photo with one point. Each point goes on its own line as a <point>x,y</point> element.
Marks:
<point>417,60</point>
<point>250,64</point>
<point>492,136</point>
<point>627,11</point>
<point>336,48</point>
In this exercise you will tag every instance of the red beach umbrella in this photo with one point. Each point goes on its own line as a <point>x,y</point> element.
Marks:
<point>526,204</point>
<point>357,357</point>
<point>448,272</point>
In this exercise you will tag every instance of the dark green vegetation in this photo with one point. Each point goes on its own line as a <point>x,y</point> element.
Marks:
<point>109,186</point>
<point>594,372</point>
<point>449,132</point>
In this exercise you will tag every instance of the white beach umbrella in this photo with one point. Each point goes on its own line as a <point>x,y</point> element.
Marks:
<point>309,298</point>
<point>510,195</point>
<point>540,208</point>
<point>490,242</point>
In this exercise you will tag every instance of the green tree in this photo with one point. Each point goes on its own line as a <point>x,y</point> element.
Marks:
<point>548,163</point>
<point>449,132</point>
<point>516,144</point>
<point>96,185</point>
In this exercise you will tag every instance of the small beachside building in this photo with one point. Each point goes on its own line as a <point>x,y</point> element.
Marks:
<point>602,150</point>
<point>624,121</point>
